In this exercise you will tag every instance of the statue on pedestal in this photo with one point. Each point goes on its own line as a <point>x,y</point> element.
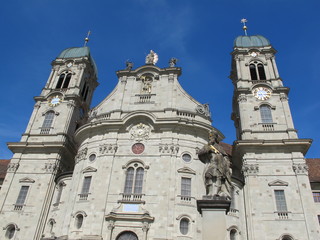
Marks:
<point>217,173</point>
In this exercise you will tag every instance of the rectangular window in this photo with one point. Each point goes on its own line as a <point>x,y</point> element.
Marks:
<point>186,187</point>
<point>86,185</point>
<point>319,219</point>
<point>316,196</point>
<point>60,188</point>
<point>280,201</point>
<point>22,195</point>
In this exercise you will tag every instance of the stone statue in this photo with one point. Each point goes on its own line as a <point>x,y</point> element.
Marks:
<point>173,62</point>
<point>129,65</point>
<point>152,58</point>
<point>217,173</point>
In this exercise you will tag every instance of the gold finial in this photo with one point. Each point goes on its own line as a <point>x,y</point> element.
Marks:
<point>243,20</point>
<point>87,38</point>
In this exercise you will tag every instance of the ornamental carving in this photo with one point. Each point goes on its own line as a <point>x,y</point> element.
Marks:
<point>111,225</point>
<point>250,169</point>
<point>145,226</point>
<point>108,148</point>
<point>50,167</point>
<point>169,148</point>
<point>140,132</point>
<point>12,167</point>
<point>300,168</point>
<point>203,109</point>
<point>242,98</point>
<point>283,97</point>
<point>81,155</point>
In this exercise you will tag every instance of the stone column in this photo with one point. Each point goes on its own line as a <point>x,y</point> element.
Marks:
<point>214,210</point>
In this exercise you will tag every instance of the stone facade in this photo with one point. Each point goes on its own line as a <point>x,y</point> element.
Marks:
<point>129,168</point>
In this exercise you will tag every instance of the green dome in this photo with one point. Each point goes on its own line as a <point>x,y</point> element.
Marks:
<point>77,52</point>
<point>251,41</point>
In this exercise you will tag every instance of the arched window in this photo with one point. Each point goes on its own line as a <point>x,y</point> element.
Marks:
<point>266,114</point>
<point>79,221</point>
<point>286,237</point>
<point>127,236</point>
<point>262,74</point>
<point>253,72</point>
<point>184,226</point>
<point>134,180</point>
<point>257,71</point>
<point>63,81</point>
<point>233,234</point>
<point>11,230</point>
<point>51,225</point>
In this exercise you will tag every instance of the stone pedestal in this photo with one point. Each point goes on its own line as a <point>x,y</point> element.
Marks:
<point>213,210</point>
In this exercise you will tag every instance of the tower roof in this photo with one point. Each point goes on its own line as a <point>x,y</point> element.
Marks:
<point>251,41</point>
<point>76,52</point>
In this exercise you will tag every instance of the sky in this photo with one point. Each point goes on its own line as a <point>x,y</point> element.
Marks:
<point>199,33</point>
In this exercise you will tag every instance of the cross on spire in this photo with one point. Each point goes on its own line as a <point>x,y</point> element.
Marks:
<point>243,20</point>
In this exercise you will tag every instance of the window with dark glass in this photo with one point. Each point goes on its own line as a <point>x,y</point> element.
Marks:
<point>266,114</point>
<point>253,72</point>
<point>257,71</point>
<point>186,187</point>
<point>316,196</point>
<point>233,234</point>
<point>184,226</point>
<point>86,185</point>
<point>127,236</point>
<point>79,221</point>
<point>48,119</point>
<point>280,200</point>
<point>64,80</point>
<point>22,195</point>
<point>10,232</point>
<point>134,180</point>
<point>262,74</point>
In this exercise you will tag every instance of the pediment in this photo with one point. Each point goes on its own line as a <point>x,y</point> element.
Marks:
<point>27,180</point>
<point>186,170</point>
<point>89,169</point>
<point>278,183</point>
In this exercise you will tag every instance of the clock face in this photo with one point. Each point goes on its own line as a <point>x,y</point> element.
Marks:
<point>54,101</point>
<point>262,93</point>
<point>137,148</point>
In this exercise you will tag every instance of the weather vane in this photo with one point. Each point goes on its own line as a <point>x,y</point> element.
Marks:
<point>243,20</point>
<point>87,38</point>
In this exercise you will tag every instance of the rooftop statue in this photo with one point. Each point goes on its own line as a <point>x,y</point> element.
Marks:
<point>217,172</point>
<point>152,58</point>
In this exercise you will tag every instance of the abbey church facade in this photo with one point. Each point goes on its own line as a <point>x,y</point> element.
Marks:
<point>141,165</point>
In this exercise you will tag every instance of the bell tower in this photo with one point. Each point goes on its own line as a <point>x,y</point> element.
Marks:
<point>47,147</point>
<point>268,155</point>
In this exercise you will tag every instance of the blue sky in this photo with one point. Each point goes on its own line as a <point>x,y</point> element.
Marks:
<point>199,33</point>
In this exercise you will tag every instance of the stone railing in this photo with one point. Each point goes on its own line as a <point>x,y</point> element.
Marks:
<point>45,130</point>
<point>83,196</point>
<point>145,98</point>
<point>268,127</point>
<point>186,114</point>
<point>283,215</point>
<point>132,197</point>
<point>18,207</point>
